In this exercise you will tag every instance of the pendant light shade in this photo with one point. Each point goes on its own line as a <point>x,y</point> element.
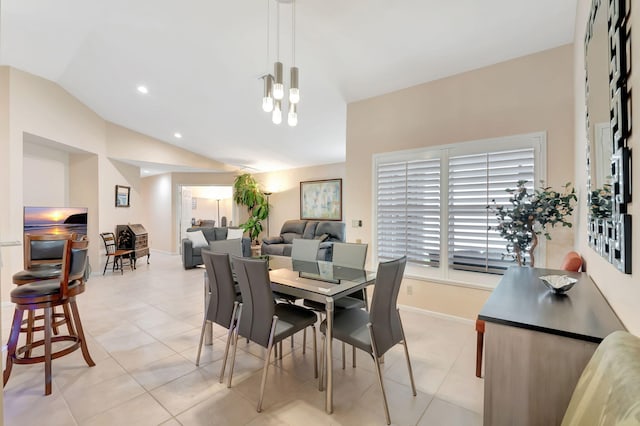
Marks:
<point>294,91</point>
<point>276,115</point>
<point>278,86</point>
<point>292,117</point>
<point>274,89</point>
<point>267,99</point>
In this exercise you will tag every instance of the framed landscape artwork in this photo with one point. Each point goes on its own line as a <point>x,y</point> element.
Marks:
<point>321,199</point>
<point>122,196</point>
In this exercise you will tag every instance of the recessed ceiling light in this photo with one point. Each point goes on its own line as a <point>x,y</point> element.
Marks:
<point>177,135</point>
<point>143,89</point>
<point>145,172</point>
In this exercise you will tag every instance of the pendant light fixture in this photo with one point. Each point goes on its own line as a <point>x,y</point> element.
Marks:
<point>274,89</point>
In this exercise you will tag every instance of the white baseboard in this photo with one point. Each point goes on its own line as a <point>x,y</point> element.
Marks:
<point>437,314</point>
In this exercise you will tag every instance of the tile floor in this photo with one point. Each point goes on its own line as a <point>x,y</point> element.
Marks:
<point>143,330</point>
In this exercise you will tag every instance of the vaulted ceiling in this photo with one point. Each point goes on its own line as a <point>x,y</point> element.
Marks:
<point>201,61</point>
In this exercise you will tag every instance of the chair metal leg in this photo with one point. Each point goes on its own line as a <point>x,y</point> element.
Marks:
<point>232,326</point>
<point>406,354</point>
<point>379,371</point>
<point>315,353</point>
<point>322,355</point>
<point>267,361</point>
<point>204,325</point>
<point>106,263</point>
<point>233,358</point>
<point>353,356</point>
<point>343,352</point>
<point>304,341</point>
<point>280,344</point>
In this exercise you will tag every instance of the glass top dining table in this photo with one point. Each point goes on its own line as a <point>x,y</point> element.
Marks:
<point>322,282</point>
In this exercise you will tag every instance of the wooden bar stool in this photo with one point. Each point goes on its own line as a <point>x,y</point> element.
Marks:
<point>47,295</point>
<point>42,261</point>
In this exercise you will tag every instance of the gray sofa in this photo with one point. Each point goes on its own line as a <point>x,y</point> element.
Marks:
<point>191,257</point>
<point>327,231</point>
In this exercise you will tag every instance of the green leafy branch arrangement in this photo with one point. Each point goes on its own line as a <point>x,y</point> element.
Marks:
<point>530,214</point>
<point>247,192</point>
<point>600,202</point>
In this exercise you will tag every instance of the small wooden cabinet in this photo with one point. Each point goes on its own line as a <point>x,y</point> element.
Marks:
<point>537,343</point>
<point>134,237</point>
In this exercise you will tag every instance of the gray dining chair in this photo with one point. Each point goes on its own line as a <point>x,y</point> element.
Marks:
<point>378,330</point>
<point>345,255</point>
<point>303,249</point>
<point>264,321</point>
<point>233,247</point>
<point>222,301</point>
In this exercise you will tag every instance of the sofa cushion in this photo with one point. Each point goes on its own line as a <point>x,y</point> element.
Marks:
<point>310,230</point>
<point>234,233</point>
<point>197,238</point>
<point>220,233</point>
<point>209,233</point>
<point>335,230</point>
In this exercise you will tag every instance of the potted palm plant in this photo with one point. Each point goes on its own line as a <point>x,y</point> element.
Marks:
<point>529,214</point>
<point>247,192</point>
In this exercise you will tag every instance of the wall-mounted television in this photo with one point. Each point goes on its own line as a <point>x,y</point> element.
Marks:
<point>55,220</point>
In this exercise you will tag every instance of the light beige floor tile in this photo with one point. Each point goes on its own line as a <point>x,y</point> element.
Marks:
<point>140,411</point>
<point>162,371</point>
<point>222,408</point>
<point>442,412</point>
<point>464,390</point>
<point>87,402</point>
<point>164,299</point>
<point>188,390</point>
<point>71,372</point>
<point>142,356</point>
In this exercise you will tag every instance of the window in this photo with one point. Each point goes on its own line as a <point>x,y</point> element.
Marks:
<point>426,197</point>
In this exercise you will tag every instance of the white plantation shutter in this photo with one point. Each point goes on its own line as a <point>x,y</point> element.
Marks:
<point>408,211</point>
<point>474,181</point>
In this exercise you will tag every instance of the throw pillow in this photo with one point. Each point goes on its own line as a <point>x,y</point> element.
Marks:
<point>198,239</point>
<point>323,237</point>
<point>234,233</point>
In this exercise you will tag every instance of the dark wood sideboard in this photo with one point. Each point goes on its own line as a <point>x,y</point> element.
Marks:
<point>134,237</point>
<point>537,343</point>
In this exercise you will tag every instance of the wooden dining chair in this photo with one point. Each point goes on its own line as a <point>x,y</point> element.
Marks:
<point>262,320</point>
<point>47,295</point>
<point>379,330</point>
<point>115,255</point>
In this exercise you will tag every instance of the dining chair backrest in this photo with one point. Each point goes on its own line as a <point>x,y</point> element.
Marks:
<point>109,239</point>
<point>44,249</point>
<point>383,314</point>
<point>233,247</point>
<point>258,305</point>
<point>74,263</point>
<point>222,294</point>
<point>304,249</point>
<point>349,255</point>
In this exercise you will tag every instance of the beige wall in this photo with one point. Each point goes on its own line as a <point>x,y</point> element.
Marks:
<point>33,107</point>
<point>525,95</point>
<point>42,164</point>
<point>622,291</point>
<point>285,186</point>
<point>158,221</point>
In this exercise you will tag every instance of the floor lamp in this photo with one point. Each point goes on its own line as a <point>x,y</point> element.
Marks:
<point>218,200</point>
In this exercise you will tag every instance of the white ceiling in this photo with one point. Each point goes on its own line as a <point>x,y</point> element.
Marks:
<point>202,59</point>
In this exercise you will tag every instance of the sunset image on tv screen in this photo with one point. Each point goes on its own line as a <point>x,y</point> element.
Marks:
<point>55,220</point>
